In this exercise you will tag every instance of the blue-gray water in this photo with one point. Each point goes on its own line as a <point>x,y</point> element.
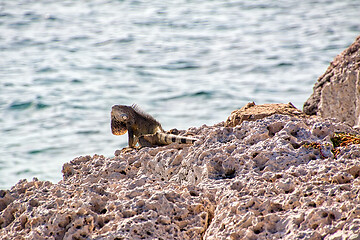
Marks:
<point>63,64</point>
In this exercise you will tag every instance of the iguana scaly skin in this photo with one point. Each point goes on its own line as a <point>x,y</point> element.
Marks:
<point>142,128</point>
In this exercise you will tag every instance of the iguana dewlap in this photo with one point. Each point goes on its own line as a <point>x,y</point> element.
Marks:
<point>142,128</point>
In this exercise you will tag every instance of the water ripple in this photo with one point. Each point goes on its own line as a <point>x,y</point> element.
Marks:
<point>20,105</point>
<point>181,65</point>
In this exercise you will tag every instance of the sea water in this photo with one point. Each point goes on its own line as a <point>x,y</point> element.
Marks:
<point>63,64</point>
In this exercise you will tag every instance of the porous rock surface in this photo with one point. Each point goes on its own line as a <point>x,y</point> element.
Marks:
<point>258,180</point>
<point>337,92</point>
<point>253,112</point>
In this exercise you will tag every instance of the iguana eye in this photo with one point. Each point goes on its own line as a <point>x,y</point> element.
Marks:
<point>124,117</point>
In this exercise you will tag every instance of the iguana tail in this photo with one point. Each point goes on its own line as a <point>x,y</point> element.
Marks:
<point>161,138</point>
<point>166,138</point>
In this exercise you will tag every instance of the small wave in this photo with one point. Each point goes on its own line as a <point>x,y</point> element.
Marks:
<point>25,42</point>
<point>17,105</point>
<point>41,105</point>
<point>127,39</point>
<point>45,70</point>
<point>20,105</point>
<point>20,23</point>
<point>38,151</point>
<point>76,80</point>
<point>101,67</point>
<point>181,65</point>
<point>88,132</point>
<point>35,151</point>
<point>32,16</point>
<point>145,73</point>
<point>23,171</point>
<point>5,14</point>
<point>78,38</point>
<point>284,64</point>
<point>198,94</point>
<point>48,81</point>
<point>136,66</point>
<point>202,94</point>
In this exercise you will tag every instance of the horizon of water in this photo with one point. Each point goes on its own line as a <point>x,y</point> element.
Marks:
<point>186,62</point>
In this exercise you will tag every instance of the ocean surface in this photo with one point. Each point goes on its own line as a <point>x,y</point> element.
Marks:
<point>63,64</point>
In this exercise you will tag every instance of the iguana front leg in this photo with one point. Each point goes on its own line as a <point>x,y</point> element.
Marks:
<point>132,138</point>
<point>132,142</point>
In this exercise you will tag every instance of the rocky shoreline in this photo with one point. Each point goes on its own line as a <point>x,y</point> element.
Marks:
<point>268,172</point>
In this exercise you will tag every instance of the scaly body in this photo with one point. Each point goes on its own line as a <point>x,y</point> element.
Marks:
<point>142,128</point>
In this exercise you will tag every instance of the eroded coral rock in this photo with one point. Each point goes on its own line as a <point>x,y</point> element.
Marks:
<point>274,178</point>
<point>253,112</point>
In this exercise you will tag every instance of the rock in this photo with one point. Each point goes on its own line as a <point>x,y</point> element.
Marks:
<point>253,112</point>
<point>337,92</point>
<point>273,178</point>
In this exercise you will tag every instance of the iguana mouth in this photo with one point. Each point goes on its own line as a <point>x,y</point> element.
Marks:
<point>117,127</point>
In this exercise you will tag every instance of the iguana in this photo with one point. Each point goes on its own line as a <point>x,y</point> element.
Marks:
<point>142,128</point>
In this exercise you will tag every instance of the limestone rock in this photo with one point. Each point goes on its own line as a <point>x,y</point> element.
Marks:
<point>274,178</point>
<point>253,112</point>
<point>337,92</point>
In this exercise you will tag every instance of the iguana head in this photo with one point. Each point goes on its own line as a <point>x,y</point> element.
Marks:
<point>119,119</point>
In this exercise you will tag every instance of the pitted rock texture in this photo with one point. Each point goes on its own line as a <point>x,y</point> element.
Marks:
<point>337,92</point>
<point>259,180</point>
<point>252,112</point>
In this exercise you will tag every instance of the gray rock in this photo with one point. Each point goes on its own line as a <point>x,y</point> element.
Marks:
<point>337,92</point>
